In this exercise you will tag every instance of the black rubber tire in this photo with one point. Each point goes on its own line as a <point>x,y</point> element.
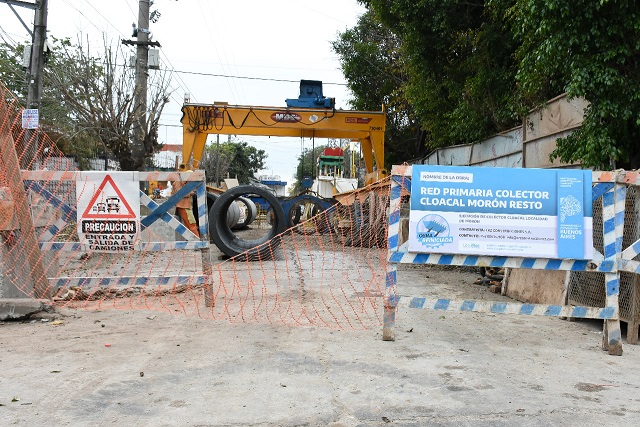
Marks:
<point>294,219</point>
<point>294,216</point>
<point>230,244</point>
<point>211,200</point>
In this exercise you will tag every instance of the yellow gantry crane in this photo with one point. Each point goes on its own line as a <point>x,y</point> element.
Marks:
<point>365,127</point>
<point>311,115</point>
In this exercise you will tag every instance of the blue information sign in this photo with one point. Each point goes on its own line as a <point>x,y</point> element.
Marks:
<point>541,213</point>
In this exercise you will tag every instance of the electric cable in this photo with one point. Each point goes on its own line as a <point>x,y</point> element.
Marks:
<point>230,64</point>
<point>183,86</point>
<point>267,79</point>
<point>231,85</point>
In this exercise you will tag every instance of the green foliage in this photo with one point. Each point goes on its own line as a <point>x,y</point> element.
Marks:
<point>369,59</point>
<point>372,64</point>
<point>458,57</point>
<point>55,117</point>
<point>232,159</point>
<point>88,105</point>
<point>467,69</point>
<point>245,161</point>
<point>589,49</point>
<point>12,74</point>
<point>307,167</point>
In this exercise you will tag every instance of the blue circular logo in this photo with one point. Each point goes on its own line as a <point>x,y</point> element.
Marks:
<point>433,231</point>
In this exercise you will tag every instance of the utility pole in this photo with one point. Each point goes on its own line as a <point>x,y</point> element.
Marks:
<point>141,32</point>
<point>142,58</point>
<point>36,66</point>
<point>37,55</point>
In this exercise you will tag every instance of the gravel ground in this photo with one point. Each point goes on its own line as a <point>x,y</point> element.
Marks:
<point>133,367</point>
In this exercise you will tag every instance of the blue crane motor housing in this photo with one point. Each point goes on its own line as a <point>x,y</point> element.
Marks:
<point>311,96</point>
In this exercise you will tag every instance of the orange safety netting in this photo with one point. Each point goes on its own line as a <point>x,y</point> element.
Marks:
<point>328,271</point>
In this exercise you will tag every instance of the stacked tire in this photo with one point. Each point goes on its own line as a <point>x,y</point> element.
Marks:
<point>222,229</point>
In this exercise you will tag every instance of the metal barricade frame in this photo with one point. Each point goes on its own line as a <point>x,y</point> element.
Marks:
<point>194,181</point>
<point>609,186</point>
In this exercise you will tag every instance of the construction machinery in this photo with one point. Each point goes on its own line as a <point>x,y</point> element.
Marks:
<point>297,119</point>
<point>311,115</point>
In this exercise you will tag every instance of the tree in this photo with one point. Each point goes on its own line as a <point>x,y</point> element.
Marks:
<point>12,74</point>
<point>460,68</point>
<point>372,64</point>
<point>245,161</point>
<point>234,159</point>
<point>55,118</point>
<point>592,50</point>
<point>215,162</point>
<point>472,69</point>
<point>307,164</point>
<point>99,95</point>
<point>88,101</point>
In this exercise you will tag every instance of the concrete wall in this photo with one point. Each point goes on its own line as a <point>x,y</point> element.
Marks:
<point>15,281</point>
<point>526,146</point>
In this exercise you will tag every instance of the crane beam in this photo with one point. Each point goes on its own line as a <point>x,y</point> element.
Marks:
<point>365,127</point>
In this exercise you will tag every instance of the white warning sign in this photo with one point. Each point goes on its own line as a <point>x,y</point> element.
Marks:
<point>108,210</point>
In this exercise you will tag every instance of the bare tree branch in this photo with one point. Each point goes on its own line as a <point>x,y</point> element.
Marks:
<point>99,94</point>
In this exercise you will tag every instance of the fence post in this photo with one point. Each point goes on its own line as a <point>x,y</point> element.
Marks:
<point>27,231</point>
<point>393,233</point>
<point>613,210</point>
<point>205,252</point>
<point>390,304</point>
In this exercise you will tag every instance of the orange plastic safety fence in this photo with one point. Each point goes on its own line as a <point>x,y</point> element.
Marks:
<point>328,271</point>
<point>23,266</point>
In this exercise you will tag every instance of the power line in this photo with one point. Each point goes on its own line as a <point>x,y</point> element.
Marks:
<point>8,36</point>
<point>184,86</point>
<point>181,83</point>
<point>249,78</point>
<point>86,17</point>
<point>230,76</point>
<point>103,17</point>
<point>133,13</point>
<point>222,33</point>
<point>232,87</point>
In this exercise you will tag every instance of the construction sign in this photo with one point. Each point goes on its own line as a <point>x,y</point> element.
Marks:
<point>108,210</point>
<point>533,213</point>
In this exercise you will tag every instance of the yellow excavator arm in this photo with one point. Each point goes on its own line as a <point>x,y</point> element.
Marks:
<point>365,127</point>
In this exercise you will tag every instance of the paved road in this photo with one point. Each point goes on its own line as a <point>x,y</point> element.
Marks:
<point>453,369</point>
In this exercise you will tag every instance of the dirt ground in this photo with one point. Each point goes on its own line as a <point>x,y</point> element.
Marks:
<point>141,368</point>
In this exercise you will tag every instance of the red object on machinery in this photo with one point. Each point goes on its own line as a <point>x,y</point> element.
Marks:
<point>333,151</point>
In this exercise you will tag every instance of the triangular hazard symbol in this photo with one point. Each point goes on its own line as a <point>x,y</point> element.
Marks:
<point>108,208</point>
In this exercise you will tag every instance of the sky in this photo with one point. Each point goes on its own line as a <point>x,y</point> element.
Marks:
<point>267,46</point>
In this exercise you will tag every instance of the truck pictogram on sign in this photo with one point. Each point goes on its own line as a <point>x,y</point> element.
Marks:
<point>108,222</point>
<point>101,206</point>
